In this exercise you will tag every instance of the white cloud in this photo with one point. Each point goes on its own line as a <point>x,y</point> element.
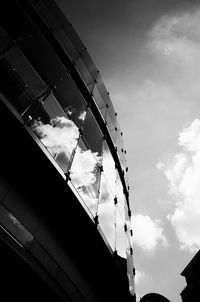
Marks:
<point>83,167</point>
<point>147,233</point>
<point>183,175</point>
<point>59,136</point>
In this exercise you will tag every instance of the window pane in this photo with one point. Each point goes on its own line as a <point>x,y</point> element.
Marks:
<point>44,59</point>
<point>70,99</point>
<point>130,270</point>
<point>66,44</point>
<point>106,212</point>
<point>82,69</point>
<point>17,95</point>
<point>92,135</point>
<point>109,170</point>
<point>32,82</point>
<point>121,199</point>
<point>14,227</point>
<point>100,102</point>
<point>120,147</point>
<point>56,131</point>
<point>85,175</point>
<point>120,233</point>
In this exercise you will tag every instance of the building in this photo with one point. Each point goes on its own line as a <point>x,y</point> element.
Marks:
<point>192,275</point>
<point>154,297</point>
<point>65,218</point>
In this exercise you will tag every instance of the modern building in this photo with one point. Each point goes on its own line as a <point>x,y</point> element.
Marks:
<point>65,217</point>
<point>154,297</point>
<point>191,273</point>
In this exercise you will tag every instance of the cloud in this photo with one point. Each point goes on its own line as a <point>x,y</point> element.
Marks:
<point>83,169</point>
<point>183,175</point>
<point>147,233</point>
<point>59,136</point>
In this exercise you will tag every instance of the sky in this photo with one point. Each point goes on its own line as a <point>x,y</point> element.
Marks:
<point>148,54</point>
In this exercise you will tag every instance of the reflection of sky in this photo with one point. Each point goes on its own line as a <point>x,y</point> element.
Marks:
<point>97,189</point>
<point>148,55</point>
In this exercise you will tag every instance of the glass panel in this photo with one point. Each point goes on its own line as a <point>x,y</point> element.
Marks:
<point>12,225</point>
<point>6,41</point>
<point>70,99</point>
<point>17,95</point>
<point>33,83</point>
<point>106,212</point>
<point>111,116</point>
<point>92,135</point>
<point>21,26</point>
<point>120,147</point>
<point>84,73</point>
<point>128,235</point>
<point>100,102</point>
<point>130,270</point>
<point>68,28</point>
<point>121,241</point>
<point>47,15</point>
<point>57,133</point>
<point>52,107</point>
<point>80,58</point>
<point>120,233</point>
<point>66,43</point>
<point>129,228</point>
<point>90,65</point>
<point>106,207</point>
<point>121,199</point>
<point>109,170</point>
<point>111,126</point>
<point>44,59</point>
<point>85,175</point>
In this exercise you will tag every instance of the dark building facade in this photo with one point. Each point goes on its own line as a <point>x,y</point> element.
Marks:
<point>65,218</point>
<point>191,273</point>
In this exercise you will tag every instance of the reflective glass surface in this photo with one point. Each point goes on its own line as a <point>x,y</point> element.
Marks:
<point>100,102</point>
<point>17,95</point>
<point>85,175</point>
<point>120,147</point>
<point>129,228</point>
<point>79,64</point>
<point>66,43</point>
<point>92,134</point>
<point>106,212</point>
<point>121,199</point>
<point>55,130</point>
<point>70,99</point>
<point>14,227</point>
<point>120,233</point>
<point>89,64</point>
<point>109,170</point>
<point>130,270</point>
<point>44,59</point>
<point>33,84</point>
<point>121,217</point>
